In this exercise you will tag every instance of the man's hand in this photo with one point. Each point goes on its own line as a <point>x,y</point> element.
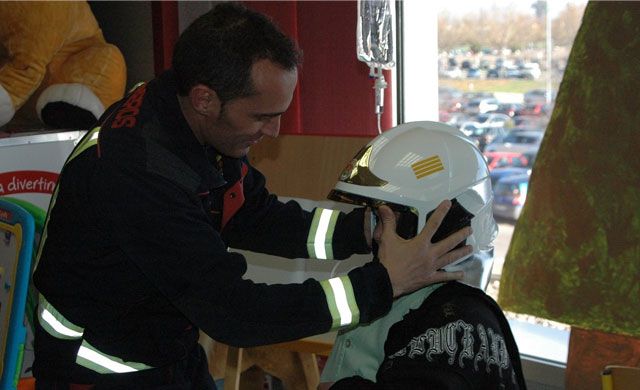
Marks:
<point>415,263</point>
<point>377,231</point>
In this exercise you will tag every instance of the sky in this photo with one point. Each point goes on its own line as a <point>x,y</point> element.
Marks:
<point>461,7</point>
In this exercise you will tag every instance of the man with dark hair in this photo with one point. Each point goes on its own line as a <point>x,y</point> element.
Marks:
<point>135,261</point>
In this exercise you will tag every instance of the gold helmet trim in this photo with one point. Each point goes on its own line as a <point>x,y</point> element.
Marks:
<point>358,172</point>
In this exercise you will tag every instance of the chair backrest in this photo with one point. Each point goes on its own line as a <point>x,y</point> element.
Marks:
<point>17,234</point>
<point>621,378</point>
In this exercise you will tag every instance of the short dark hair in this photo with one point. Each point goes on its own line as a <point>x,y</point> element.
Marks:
<point>219,48</point>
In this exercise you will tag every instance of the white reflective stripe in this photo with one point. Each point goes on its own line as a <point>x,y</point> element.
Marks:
<point>341,302</point>
<point>103,361</point>
<point>57,325</point>
<point>321,234</point>
<point>94,136</point>
<point>340,297</point>
<point>320,238</point>
<point>54,323</point>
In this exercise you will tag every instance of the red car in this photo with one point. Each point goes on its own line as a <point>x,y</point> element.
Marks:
<point>506,159</point>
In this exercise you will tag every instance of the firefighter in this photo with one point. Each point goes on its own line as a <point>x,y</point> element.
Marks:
<point>135,257</point>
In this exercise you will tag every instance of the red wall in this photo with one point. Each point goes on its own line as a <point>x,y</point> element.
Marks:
<point>335,95</point>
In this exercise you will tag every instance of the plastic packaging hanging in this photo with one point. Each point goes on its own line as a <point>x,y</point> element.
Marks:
<point>374,41</point>
<point>375,34</point>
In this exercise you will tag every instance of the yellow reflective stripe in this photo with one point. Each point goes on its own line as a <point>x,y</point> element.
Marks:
<point>87,141</point>
<point>320,238</point>
<point>341,302</point>
<point>55,323</point>
<point>427,166</point>
<point>102,363</point>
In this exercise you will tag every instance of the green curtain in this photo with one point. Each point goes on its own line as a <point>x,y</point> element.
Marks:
<point>575,252</point>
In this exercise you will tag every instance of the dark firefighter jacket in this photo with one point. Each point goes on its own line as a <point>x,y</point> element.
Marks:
<point>135,256</point>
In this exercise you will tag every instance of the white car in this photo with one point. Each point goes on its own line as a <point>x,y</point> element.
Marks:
<point>481,106</point>
<point>452,73</point>
<point>531,71</point>
<point>493,119</point>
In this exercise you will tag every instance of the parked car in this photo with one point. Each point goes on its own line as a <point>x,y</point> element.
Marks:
<point>533,109</point>
<point>512,73</point>
<point>499,173</point>
<point>481,105</point>
<point>469,96</point>
<point>451,73</point>
<point>530,71</point>
<point>473,73</point>
<point>482,135</point>
<point>509,196</point>
<point>505,159</point>
<point>531,121</point>
<point>519,141</point>
<point>495,73</point>
<point>537,96</point>
<point>509,109</point>
<point>457,118</point>
<point>493,119</point>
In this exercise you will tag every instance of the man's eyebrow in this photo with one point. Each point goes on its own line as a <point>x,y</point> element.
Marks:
<point>268,114</point>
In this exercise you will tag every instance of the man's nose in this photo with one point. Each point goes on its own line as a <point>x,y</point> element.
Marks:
<point>272,127</point>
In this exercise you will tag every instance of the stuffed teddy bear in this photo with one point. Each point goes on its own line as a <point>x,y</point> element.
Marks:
<point>53,56</point>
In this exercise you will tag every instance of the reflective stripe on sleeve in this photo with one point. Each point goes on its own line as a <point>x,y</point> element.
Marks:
<point>341,301</point>
<point>88,356</point>
<point>88,141</point>
<point>100,362</point>
<point>55,324</point>
<point>320,238</point>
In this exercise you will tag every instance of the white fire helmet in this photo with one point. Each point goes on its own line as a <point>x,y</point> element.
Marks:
<point>416,166</point>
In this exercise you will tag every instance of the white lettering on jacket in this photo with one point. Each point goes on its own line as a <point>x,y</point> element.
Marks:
<point>437,341</point>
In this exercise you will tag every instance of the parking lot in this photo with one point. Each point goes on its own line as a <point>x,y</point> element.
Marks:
<point>501,245</point>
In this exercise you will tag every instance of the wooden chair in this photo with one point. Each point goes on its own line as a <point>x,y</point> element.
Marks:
<point>294,363</point>
<point>591,350</point>
<point>620,378</point>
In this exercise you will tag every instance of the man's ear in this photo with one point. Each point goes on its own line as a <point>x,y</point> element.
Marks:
<point>205,100</point>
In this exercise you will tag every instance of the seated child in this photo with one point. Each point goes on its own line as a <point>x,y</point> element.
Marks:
<point>444,336</point>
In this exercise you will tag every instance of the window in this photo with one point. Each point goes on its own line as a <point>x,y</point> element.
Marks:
<point>518,63</point>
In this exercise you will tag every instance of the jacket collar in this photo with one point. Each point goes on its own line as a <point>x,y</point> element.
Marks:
<point>178,136</point>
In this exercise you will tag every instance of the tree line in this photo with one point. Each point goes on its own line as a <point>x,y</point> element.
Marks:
<point>501,28</point>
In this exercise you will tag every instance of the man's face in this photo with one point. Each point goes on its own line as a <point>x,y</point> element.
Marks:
<point>242,122</point>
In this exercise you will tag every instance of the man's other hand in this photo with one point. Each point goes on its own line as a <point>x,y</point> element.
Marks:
<point>415,263</point>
